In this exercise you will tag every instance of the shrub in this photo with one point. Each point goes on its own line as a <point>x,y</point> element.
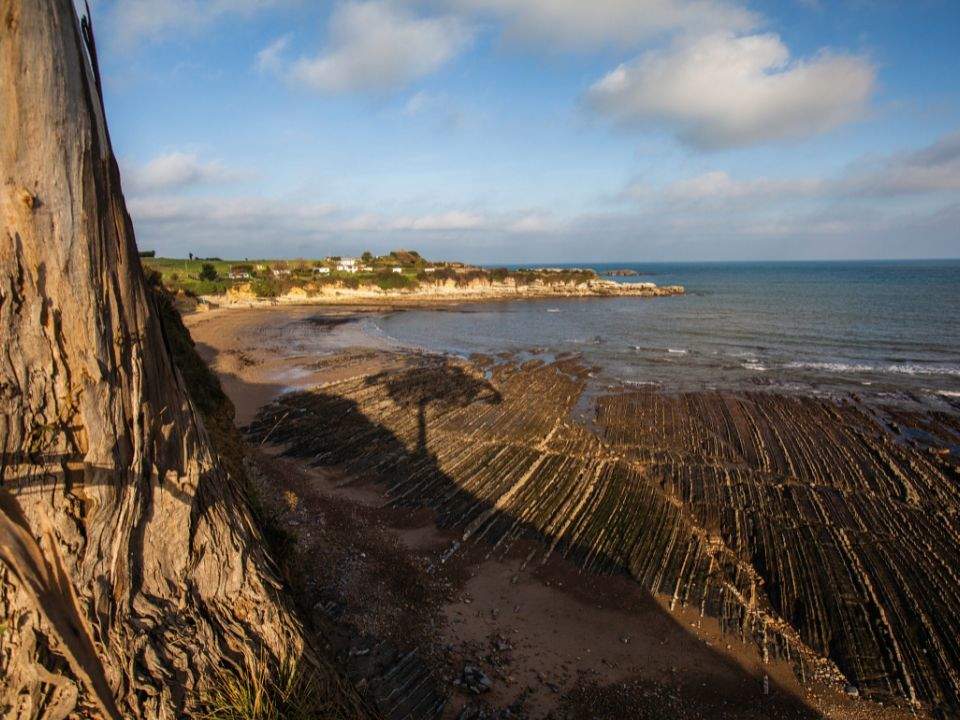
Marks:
<point>441,274</point>
<point>265,287</point>
<point>389,280</point>
<point>350,281</point>
<point>464,279</point>
<point>499,274</point>
<point>208,287</point>
<point>208,272</point>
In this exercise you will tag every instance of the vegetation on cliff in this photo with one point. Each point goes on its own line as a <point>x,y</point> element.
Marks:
<point>399,270</point>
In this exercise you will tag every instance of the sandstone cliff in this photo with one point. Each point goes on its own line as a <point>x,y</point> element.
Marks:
<point>444,291</point>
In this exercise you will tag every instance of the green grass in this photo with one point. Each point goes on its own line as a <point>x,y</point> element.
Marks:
<point>184,275</point>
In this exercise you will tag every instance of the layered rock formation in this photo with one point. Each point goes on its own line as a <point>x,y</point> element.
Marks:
<point>443,292</point>
<point>131,573</point>
<point>816,528</point>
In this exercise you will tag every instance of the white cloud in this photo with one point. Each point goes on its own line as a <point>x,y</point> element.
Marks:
<point>722,91</point>
<point>270,58</point>
<point>717,186</point>
<point>928,173</point>
<point>598,23</point>
<point>229,212</point>
<point>176,170</point>
<point>453,220</point>
<point>377,46</point>
<point>534,223</point>
<point>419,103</point>
<point>933,169</point>
<point>134,20</point>
<point>904,204</point>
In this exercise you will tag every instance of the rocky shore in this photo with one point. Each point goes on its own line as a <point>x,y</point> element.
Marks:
<point>679,557</point>
<point>449,291</point>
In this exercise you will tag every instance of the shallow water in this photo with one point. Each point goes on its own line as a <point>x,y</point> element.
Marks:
<point>871,327</point>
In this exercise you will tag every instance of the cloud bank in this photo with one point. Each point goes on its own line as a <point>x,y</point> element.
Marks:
<point>723,91</point>
<point>901,205</point>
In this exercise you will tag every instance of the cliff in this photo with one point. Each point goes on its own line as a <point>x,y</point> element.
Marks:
<point>445,291</point>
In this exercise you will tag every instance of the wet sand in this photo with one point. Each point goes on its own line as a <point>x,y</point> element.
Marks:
<point>548,633</point>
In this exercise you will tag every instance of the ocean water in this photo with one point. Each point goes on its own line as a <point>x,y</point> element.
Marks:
<point>884,327</point>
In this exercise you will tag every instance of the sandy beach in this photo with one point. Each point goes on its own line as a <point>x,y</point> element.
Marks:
<point>552,632</point>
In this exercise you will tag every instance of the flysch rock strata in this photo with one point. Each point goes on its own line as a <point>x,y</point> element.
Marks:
<point>822,530</point>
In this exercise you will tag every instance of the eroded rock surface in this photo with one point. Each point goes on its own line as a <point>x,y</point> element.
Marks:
<point>822,530</point>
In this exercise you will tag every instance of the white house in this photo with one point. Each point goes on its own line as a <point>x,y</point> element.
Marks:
<point>281,272</point>
<point>348,265</point>
<point>322,270</point>
<point>429,269</point>
<point>397,270</point>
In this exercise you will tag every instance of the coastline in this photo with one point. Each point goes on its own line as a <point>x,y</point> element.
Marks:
<point>439,293</point>
<point>274,351</point>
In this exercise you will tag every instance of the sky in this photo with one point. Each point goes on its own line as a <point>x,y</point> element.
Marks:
<point>537,130</point>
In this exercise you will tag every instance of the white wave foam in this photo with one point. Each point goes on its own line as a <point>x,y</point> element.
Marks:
<point>754,366</point>
<point>895,369</point>
<point>677,351</point>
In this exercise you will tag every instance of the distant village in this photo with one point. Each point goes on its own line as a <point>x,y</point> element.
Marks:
<point>398,262</point>
<point>397,270</point>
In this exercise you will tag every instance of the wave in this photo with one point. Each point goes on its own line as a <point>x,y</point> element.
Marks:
<point>754,366</point>
<point>895,369</point>
<point>677,351</point>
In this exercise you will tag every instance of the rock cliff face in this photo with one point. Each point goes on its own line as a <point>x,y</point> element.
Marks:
<point>130,568</point>
<point>445,291</point>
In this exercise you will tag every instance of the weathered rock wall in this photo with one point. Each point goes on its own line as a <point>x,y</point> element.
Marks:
<point>449,291</point>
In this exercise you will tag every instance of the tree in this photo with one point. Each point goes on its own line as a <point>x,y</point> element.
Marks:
<point>367,257</point>
<point>130,566</point>
<point>208,272</point>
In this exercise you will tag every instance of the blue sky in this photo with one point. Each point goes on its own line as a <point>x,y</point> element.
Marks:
<point>538,130</point>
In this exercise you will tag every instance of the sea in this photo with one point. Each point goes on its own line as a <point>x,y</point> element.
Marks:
<point>888,329</point>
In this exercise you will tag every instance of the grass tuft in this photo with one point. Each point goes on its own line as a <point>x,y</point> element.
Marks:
<point>263,691</point>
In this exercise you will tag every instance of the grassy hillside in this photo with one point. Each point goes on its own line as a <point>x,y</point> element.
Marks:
<point>271,278</point>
